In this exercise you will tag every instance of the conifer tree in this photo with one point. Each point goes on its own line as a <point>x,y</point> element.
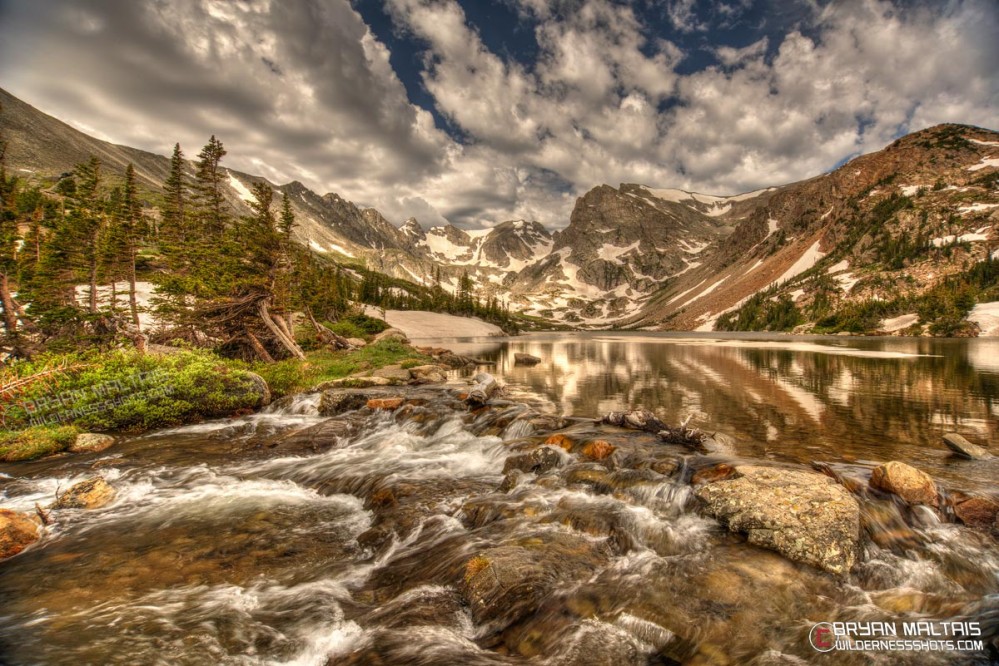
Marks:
<point>174,225</point>
<point>213,217</point>
<point>8,242</point>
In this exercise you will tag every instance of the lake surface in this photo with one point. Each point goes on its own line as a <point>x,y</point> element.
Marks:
<point>287,537</point>
<point>803,398</point>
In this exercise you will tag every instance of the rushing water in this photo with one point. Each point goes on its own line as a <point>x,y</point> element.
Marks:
<point>278,538</point>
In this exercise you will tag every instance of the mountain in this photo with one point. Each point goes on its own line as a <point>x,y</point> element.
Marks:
<point>892,222</point>
<point>885,225</point>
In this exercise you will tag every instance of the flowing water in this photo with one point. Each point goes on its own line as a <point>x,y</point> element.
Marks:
<point>395,538</point>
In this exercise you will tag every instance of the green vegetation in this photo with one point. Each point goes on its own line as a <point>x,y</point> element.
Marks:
<point>943,308</point>
<point>764,311</point>
<point>48,400</point>
<point>35,442</point>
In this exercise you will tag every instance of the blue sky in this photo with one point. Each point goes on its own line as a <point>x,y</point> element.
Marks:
<point>476,112</point>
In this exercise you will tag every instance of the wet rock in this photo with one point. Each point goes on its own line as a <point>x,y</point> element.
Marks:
<point>637,419</point>
<point>428,374</point>
<point>394,373</point>
<point>965,449</point>
<point>598,449</point>
<point>356,342</point>
<point>905,481</point>
<point>547,422</point>
<point>977,512</point>
<point>521,358</point>
<point>806,517</point>
<point>391,334</point>
<point>561,441</point>
<point>507,582</point>
<point>261,388</point>
<point>314,439</point>
<point>718,472</point>
<point>17,532</point>
<point>333,403</point>
<point>538,461</point>
<point>384,403</point>
<point>90,442</point>
<point>90,494</point>
<point>595,476</point>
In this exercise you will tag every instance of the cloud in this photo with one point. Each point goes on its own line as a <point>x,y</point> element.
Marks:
<point>611,91</point>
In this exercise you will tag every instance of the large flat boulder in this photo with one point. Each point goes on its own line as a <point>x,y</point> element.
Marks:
<point>806,517</point>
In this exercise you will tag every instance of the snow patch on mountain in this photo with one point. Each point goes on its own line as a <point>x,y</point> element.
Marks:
<point>242,190</point>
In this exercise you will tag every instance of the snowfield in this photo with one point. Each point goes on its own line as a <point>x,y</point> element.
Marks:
<point>986,315</point>
<point>419,324</point>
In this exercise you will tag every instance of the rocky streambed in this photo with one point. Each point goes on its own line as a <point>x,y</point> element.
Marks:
<point>412,522</point>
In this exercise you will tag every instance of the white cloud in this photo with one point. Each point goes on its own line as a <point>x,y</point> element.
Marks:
<point>306,91</point>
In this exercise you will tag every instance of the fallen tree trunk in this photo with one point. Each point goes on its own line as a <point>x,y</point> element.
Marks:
<point>326,336</point>
<point>258,348</point>
<point>484,389</point>
<point>287,342</point>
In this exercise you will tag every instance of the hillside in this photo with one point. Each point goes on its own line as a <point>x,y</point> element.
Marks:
<point>841,251</point>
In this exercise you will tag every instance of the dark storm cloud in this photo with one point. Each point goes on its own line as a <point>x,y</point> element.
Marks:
<point>533,101</point>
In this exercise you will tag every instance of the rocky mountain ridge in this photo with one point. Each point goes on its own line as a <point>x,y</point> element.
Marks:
<point>635,256</point>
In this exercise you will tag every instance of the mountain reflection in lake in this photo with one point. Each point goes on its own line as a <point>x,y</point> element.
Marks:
<point>799,399</point>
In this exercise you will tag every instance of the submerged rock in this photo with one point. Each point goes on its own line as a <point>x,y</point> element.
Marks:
<point>17,532</point>
<point>905,481</point>
<point>91,442</point>
<point>90,494</point>
<point>805,516</point>
<point>521,358</point>
<point>965,449</point>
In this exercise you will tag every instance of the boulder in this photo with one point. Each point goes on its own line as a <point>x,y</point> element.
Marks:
<point>260,387</point>
<point>17,532</point>
<point>353,381</point>
<point>91,442</point>
<point>538,461</point>
<point>977,512</point>
<point>90,494</point>
<point>394,373</point>
<point>561,441</point>
<point>804,516</point>
<point>388,404</point>
<point>965,449</point>
<point>333,403</point>
<point>356,342</point>
<point>391,334</point>
<point>598,449</point>
<point>521,358</point>
<point>428,374</point>
<point>905,481</point>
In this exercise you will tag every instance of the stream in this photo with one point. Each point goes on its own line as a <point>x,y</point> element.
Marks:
<point>396,537</point>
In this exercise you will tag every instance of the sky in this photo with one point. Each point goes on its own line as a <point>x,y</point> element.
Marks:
<point>480,111</point>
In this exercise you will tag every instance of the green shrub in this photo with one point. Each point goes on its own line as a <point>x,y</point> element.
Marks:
<point>35,442</point>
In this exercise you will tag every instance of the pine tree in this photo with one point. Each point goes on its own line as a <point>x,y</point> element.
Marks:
<point>132,232</point>
<point>173,229</point>
<point>213,217</point>
<point>8,242</point>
